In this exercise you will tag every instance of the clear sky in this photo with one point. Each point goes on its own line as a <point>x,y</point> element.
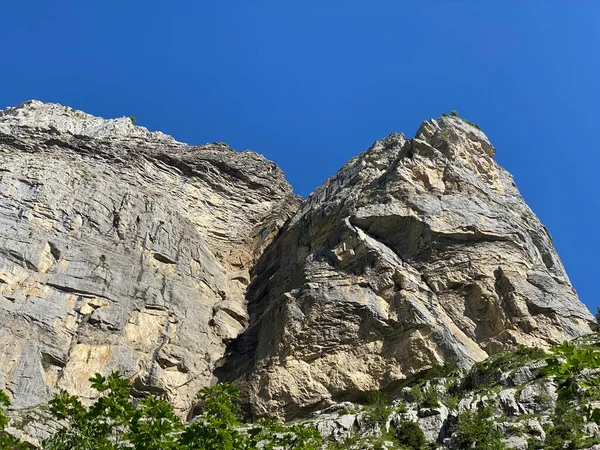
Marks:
<point>310,84</point>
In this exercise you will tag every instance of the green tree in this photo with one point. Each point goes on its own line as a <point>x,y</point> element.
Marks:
<point>570,366</point>
<point>154,426</point>
<point>116,422</point>
<point>217,427</point>
<point>103,426</point>
<point>566,431</point>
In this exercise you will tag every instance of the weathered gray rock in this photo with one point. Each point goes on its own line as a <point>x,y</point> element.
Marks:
<point>415,252</point>
<point>432,422</point>
<point>122,249</point>
<point>516,442</point>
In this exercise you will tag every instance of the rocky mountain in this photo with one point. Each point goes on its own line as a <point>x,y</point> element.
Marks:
<point>416,252</point>
<point>123,249</point>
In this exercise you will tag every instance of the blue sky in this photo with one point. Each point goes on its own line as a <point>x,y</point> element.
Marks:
<point>310,84</point>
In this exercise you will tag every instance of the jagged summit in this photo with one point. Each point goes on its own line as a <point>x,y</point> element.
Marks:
<point>416,252</point>
<point>43,115</point>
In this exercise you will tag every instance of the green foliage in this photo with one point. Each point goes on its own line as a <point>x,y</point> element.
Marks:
<point>567,366</point>
<point>4,402</point>
<point>218,402</point>
<point>378,410</point>
<point>154,426</point>
<point>566,431</point>
<point>454,113</point>
<point>487,372</point>
<point>472,124</point>
<point>114,422</point>
<point>401,408</point>
<point>103,426</point>
<point>117,421</point>
<point>133,119</point>
<point>209,433</point>
<point>451,402</point>
<point>409,434</point>
<point>7,442</point>
<point>476,430</point>
<point>416,393</point>
<point>430,398</point>
<point>448,369</point>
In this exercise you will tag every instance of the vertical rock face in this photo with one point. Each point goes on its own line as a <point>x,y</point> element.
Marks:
<point>415,252</point>
<point>122,249</point>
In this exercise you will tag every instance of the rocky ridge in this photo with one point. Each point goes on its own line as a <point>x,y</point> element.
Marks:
<point>123,249</point>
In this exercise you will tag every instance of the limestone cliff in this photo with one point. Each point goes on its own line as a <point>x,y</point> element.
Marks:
<point>415,252</point>
<point>123,249</point>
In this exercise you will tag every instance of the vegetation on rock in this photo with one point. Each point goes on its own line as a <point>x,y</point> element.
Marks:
<point>476,430</point>
<point>118,420</point>
<point>7,442</point>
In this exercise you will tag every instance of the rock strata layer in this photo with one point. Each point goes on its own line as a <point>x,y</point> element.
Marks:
<point>123,249</point>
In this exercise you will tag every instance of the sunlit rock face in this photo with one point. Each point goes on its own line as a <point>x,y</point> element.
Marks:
<point>416,252</point>
<point>123,249</point>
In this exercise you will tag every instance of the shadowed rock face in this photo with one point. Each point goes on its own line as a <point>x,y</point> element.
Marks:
<point>415,252</point>
<point>122,249</point>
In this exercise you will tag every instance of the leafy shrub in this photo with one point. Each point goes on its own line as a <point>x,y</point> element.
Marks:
<point>133,119</point>
<point>416,394</point>
<point>430,398</point>
<point>476,430</point>
<point>7,442</point>
<point>448,369</point>
<point>569,360</point>
<point>402,408</point>
<point>378,410</point>
<point>4,402</point>
<point>487,372</point>
<point>114,422</point>
<point>409,434</point>
<point>454,113</point>
<point>451,402</point>
<point>472,124</point>
<point>566,431</point>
